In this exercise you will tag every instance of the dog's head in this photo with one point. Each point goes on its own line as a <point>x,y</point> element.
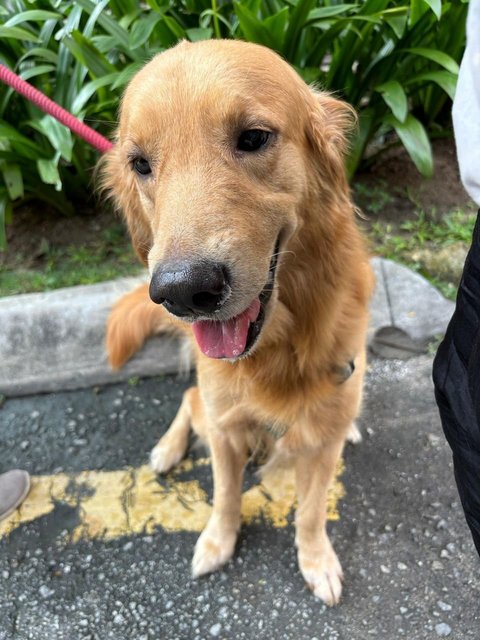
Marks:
<point>219,148</point>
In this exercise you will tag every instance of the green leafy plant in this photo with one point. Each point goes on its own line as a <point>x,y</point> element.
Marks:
<point>396,62</point>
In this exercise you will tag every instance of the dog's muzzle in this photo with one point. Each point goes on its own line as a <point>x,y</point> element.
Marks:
<point>190,288</point>
<point>198,290</point>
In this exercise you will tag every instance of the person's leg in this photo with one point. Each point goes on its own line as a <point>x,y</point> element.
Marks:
<point>456,375</point>
<point>14,488</point>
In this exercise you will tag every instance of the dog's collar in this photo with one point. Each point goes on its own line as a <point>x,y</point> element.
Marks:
<point>276,429</point>
<point>341,372</point>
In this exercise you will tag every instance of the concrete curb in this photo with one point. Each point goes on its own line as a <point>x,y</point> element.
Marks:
<point>55,341</point>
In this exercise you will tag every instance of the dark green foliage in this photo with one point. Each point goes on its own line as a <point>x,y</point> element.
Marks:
<point>396,62</point>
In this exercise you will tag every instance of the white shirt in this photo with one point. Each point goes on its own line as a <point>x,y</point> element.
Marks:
<point>466,107</point>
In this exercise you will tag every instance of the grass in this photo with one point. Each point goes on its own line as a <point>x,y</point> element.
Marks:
<point>111,256</point>
<point>373,199</point>
<point>400,242</point>
<point>393,241</point>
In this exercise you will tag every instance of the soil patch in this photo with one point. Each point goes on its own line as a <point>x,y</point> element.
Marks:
<point>46,250</point>
<point>36,231</point>
<point>392,190</point>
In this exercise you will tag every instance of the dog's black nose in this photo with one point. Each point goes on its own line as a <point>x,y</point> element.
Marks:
<point>187,287</point>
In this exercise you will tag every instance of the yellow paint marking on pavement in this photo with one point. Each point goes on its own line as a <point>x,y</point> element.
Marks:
<point>131,501</point>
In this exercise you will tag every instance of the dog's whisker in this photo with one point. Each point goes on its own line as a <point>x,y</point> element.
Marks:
<point>279,253</point>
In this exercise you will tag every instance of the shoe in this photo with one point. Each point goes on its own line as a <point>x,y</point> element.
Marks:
<point>14,488</point>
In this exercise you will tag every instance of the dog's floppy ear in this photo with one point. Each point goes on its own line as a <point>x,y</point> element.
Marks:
<point>118,182</point>
<point>330,124</point>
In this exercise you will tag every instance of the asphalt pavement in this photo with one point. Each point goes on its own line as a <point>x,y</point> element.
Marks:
<point>83,559</point>
<point>409,563</point>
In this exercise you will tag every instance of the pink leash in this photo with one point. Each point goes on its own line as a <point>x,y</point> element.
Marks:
<point>48,106</point>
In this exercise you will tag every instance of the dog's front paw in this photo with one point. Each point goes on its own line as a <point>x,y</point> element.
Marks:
<point>212,551</point>
<point>323,574</point>
<point>354,436</point>
<point>164,456</point>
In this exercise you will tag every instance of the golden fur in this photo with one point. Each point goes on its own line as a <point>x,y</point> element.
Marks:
<point>183,111</point>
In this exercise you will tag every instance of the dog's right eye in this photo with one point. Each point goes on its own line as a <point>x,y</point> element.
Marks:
<point>252,140</point>
<point>141,166</point>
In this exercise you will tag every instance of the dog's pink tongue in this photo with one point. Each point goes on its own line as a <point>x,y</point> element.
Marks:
<point>226,339</point>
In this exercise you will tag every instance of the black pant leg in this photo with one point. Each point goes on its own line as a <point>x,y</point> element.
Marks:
<point>456,376</point>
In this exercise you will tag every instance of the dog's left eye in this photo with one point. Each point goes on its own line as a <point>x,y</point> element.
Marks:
<point>252,140</point>
<point>141,166</point>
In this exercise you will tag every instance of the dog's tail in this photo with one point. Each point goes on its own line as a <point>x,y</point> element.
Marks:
<point>133,319</point>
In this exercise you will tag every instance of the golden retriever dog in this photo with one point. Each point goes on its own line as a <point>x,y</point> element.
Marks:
<point>229,171</point>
